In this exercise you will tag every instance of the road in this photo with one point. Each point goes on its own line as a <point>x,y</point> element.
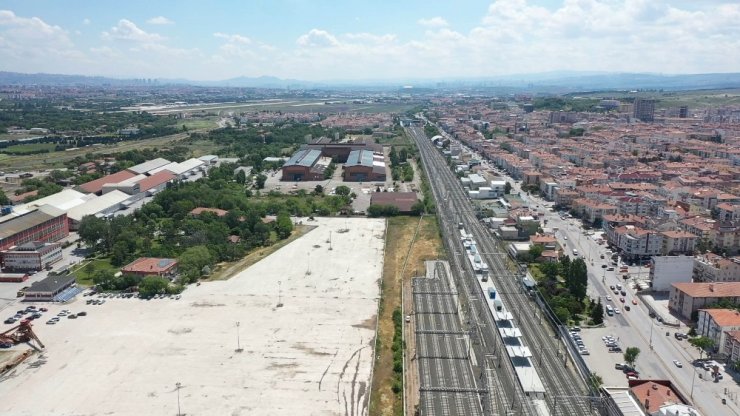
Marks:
<point>635,328</point>
<point>566,392</point>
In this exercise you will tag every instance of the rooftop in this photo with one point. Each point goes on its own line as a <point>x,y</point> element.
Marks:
<point>11,224</point>
<point>724,317</point>
<point>149,165</point>
<point>149,264</point>
<point>402,200</point>
<point>709,290</point>
<point>653,394</point>
<point>51,284</point>
<point>305,157</point>
<point>360,158</point>
<point>96,186</point>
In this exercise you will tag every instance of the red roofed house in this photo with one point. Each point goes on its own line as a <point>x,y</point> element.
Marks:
<point>401,200</point>
<point>151,266</point>
<point>685,298</point>
<point>200,210</point>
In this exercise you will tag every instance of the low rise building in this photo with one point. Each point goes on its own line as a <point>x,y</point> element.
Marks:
<point>686,298</point>
<point>33,255</point>
<point>678,242</point>
<point>151,266</point>
<point>45,224</point>
<point>710,267</point>
<point>732,346</point>
<point>50,289</point>
<point>715,323</point>
<point>364,166</point>
<point>305,165</point>
<point>404,201</point>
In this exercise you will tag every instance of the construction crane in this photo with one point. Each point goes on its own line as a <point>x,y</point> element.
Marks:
<point>20,334</point>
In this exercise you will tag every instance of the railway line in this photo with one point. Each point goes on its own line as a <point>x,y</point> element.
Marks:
<point>566,392</point>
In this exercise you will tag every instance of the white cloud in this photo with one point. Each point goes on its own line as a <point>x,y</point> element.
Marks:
<point>233,38</point>
<point>160,20</point>
<point>317,38</point>
<point>86,21</point>
<point>128,31</point>
<point>433,22</point>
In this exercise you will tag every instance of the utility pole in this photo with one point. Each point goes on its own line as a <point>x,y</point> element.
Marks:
<point>280,294</point>
<point>238,343</point>
<point>178,386</point>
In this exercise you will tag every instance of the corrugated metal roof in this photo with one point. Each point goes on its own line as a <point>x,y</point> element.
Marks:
<point>360,157</point>
<point>63,200</point>
<point>97,205</point>
<point>12,224</point>
<point>306,157</point>
<point>97,185</point>
<point>51,284</point>
<point>149,165</point>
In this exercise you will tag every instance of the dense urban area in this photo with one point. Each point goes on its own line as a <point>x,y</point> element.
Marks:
<point>399,251</point>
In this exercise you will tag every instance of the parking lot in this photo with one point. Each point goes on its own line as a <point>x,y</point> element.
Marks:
<point>293,332</point>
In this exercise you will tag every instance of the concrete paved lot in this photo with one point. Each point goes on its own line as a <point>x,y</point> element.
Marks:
<point>312,356</point>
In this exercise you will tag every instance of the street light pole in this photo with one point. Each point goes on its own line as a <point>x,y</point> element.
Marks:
<point>178,386</point>
<point>238,342</point>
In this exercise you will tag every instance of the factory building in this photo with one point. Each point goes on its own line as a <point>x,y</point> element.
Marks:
<point>45,224</point>
<point>364,166</point>
<point>101,206</point>
<point>305,165</point>
<point>53,288</point>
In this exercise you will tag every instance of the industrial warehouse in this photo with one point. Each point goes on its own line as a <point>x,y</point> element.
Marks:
<point>362,160</point>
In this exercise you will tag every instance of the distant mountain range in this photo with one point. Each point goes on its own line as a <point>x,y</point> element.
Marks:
<point>560,80</point>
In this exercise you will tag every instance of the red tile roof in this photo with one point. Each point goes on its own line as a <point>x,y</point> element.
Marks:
<point>155,180</point>
<point>709,290</point>
<point>724,317</point>
<point>200,210</point>
<point>149,265</point>
<point>96,186</point>
<point>402,200</point>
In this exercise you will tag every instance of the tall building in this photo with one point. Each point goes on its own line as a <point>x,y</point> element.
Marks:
<point>644,109</point>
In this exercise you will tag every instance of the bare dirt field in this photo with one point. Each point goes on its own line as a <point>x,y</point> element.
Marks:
<point>311,356</point>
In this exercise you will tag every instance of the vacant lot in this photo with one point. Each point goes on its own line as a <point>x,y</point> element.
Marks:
<point>312,355</point>
<point>28,149</point>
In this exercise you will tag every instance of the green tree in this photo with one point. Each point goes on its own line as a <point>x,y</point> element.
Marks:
<point>535,252</point>
<point>284,225</point>
<point>104,279</point>
<point>4,198</point>
<point>630,355</point>
<point>702,343</point>
<point>343,190</point>
<point>507,188</point>
<point>153,285</point>
<point>192,261</point>
<point>318,190</point>
<point>418,208</point>
<point>120,253</point>
<point>562,313</point>
<point>94,231</point>
<point>550,270</point>
<point>260,181</point>
<point>241,177</point>
<point>597,313</point>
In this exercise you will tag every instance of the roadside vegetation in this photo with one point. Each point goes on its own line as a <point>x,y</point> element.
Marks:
<point>563,285</point>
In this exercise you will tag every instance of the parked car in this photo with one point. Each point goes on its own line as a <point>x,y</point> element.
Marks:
<point>677,363</point>
<point>10,321</point>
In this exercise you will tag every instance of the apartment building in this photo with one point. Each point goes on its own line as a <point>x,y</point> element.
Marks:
<point>712,268</point>
<point>678,242</point>
<point>715,323</point>
<point>686,298</point>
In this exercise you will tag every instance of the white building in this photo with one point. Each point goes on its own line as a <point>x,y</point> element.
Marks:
<point>149,165</point>
<point>31,256</point>
<point>101,205</point>
<point>476,181</point>
<point>62,200</point>
<point>498,188</point>
<point>666,270</point>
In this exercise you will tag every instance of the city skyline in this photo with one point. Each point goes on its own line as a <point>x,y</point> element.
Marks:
<point>378,40</point>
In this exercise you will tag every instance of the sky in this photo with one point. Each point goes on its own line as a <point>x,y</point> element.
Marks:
<point>324,40</point>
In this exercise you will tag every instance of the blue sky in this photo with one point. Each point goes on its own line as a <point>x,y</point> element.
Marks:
<point>329,40</point>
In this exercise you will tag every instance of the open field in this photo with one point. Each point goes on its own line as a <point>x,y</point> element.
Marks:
<point>22,149</point>
<point>57,159</point>
<point>292,106</point>
<point>313,355</point>
<point>399,251</point>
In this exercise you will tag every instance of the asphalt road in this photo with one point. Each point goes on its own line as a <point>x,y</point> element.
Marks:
<point>635,328</point>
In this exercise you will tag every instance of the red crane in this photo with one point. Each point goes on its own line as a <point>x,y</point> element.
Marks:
<point>20,334</point>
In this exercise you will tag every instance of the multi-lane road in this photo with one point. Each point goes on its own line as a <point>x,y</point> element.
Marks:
<point>566,391</point>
